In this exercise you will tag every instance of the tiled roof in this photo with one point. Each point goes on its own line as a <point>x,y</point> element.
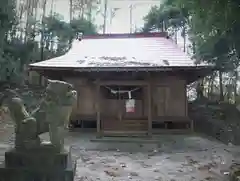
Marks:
<point>121,51</point>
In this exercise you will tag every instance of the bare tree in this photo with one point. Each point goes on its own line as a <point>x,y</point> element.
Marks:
<point>71,9</point>
<point>82,8</point>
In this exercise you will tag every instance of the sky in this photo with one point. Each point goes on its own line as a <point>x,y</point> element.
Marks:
<point>121,21</point>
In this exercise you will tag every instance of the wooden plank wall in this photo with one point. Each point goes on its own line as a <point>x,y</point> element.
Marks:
<point>168,99</point>
<point>85,107</point>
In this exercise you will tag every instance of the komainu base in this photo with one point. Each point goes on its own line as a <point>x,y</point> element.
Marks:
<point>44,165</point>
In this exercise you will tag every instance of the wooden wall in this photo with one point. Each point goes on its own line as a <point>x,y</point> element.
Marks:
<point>85,105</point>
<point>169,97</point>
<point>168,100</point>
<point>35,78</point>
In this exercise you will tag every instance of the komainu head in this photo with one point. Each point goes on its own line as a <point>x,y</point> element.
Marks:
<point>60,92</point>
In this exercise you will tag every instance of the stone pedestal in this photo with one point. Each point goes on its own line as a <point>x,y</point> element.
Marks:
<point>41,164</point>
<point>235,172</point>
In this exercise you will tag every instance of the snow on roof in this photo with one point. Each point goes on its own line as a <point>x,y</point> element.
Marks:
<point>121,51</point>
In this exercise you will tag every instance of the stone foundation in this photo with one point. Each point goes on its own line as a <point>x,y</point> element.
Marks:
<point>41,164</point>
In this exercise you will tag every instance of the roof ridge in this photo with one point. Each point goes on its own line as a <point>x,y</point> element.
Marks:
<point>126,35</point>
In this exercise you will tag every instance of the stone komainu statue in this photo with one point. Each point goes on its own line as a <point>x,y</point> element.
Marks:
<point>51,116</point>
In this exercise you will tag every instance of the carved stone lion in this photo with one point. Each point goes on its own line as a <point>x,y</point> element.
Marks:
<point>51,116</point>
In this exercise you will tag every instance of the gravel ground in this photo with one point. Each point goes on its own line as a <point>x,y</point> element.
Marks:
<point>169,158</point>
<point>173,157</point>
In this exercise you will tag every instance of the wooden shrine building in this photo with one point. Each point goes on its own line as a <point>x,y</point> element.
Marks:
<point>127,83</point>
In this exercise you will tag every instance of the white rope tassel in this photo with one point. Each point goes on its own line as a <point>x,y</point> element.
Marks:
<point>129,95</point>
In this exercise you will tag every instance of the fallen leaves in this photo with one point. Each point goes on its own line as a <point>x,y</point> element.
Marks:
<point>112,173</point>
<point>123,165</point>
<point>134,174</point>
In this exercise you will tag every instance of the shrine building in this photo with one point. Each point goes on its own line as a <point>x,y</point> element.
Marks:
<point>127,83</point>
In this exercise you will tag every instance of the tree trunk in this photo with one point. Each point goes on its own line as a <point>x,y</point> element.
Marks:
<point>51,9</point>
<point>194,48</point>
<point>162,26</point>
<point>105,16</point>
<point>221,96</point>
<point>42,36</point>
<point>21,11</point>
<point>200,89</point>
<point>235,86</point>
<point>82,11</point>
<point>35,25</point>
<point>43,28</point>
<point>212,85</point>
<point>27,23</point>
<point>184,39</point>
<point>29,15</point>
<point>89,6</point>
<point>71,10</point>
<point>209,87</point>
<point>176,36</point>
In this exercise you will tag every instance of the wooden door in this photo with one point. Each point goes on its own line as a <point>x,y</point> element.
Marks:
<point>160,101</point>
<point>86,102</point>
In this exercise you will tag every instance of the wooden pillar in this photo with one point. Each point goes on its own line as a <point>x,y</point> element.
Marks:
<point>186,108</point>
<point>98,108</point>
<point>149,107</point>
<point>186,100</point>
<point>78,96</point>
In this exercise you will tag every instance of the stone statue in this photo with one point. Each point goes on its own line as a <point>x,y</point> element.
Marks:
<point>31,159</point>
<point>50,116</point>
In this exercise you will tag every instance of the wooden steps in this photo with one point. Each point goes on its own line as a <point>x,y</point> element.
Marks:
<point>124,133</point>
<point>124,125</point>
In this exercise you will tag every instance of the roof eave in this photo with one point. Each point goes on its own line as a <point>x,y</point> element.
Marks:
<point>120,69</point>
<point>196,75</point>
